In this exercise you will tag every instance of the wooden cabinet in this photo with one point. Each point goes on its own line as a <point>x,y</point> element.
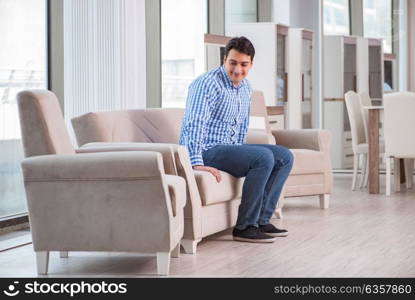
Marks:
<point>375,69</point>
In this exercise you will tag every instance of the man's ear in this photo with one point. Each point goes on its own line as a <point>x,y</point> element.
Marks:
<point>224,59</point>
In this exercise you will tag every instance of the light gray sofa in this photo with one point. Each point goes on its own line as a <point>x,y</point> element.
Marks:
<point>211,207</point>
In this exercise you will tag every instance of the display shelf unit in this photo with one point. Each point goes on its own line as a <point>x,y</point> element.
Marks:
<point>350,64</point>
<point>282,68</point>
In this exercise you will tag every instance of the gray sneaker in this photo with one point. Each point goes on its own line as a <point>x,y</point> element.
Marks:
<point>251,234</point>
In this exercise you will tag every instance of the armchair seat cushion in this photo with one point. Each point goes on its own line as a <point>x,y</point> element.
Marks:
<point>211,191</point>
<point>308,162</point>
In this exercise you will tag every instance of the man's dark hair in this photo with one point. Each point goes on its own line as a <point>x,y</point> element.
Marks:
<point>240,44</point>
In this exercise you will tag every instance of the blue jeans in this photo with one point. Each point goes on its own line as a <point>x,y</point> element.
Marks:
<point>265,168</point>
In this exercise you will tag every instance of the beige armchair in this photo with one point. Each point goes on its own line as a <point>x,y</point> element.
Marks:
<point>311,173</point>
<point>211,207</point>
<point>108,201</point>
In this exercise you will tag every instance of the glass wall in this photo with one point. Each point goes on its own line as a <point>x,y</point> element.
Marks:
<point>336,17</point>
<point>377,21</point>
<point>239,11</point>
<point>183,25</point>
<point>23,65</point>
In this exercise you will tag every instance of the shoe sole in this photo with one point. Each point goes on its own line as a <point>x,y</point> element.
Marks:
<point>263,241</point>
<point>283,234</point>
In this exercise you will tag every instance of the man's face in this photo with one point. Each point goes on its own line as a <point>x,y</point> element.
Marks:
<point>237,65</point>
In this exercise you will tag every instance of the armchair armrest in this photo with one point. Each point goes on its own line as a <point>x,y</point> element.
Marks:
<point>313,139</point>
<point>259,136</point>
<point>166,151</point>
<point>89,166</point>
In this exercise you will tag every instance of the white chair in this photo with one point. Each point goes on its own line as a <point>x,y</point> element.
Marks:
<point>359,142</point>
<point>399,135</point>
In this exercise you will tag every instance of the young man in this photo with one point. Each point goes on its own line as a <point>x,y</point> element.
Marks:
<point>214,130</point>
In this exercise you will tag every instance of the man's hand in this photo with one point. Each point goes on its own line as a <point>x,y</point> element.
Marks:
<point>215,172</point>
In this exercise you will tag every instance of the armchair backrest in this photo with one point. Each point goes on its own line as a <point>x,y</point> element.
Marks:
<point>156,125</point>
<point>42,124</point>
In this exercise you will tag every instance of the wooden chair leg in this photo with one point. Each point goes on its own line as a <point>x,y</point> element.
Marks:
<point>388,175</point>
<point>355,168</point>
<point>397,174</point>
<point>364,170</point>
<point>409,172</point>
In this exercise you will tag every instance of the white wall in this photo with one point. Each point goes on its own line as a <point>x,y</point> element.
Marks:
<point>281,11</point>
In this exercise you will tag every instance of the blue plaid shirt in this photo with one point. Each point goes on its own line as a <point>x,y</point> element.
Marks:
<point>217,113</point>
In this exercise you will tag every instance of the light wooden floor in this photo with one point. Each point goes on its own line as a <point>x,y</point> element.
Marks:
<point>360,235</point>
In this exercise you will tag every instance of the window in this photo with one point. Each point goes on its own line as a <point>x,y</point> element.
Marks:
<point>336,17</point>
<point>183,25</point>
<point>377,21</point>
<point>239,11</point>
<point>23,65</point>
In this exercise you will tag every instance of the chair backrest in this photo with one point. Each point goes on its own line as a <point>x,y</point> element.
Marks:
<point>365,101</point>
<point>399,124</point>
<point>354,110</point>
<point>153,125</point>
<point>259,111</point>
<point>42,124</point>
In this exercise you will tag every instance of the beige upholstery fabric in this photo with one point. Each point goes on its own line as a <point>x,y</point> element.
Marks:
<point>147,126</point>
<point>211,206</point>
<point>307,161</point>
<point>212,191</point>
<point>42,125</point>
<point>107,201</point>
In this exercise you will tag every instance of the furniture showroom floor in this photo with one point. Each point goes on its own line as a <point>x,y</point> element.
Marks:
<point>360,235</point>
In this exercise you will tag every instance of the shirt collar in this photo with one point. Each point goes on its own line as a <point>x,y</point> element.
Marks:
<point>228,81</point>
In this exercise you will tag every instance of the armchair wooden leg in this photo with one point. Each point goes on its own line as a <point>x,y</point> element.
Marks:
<point>278,213</point>
<point>176,251</point>
<point>63,254</point>
<point>189,246</point>
<point>280,204</point>
<point>42,262</point>
<point>163,263</point>
<point>324,201</point>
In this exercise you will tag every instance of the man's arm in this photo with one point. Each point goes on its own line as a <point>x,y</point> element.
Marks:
<point>201,93</point>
